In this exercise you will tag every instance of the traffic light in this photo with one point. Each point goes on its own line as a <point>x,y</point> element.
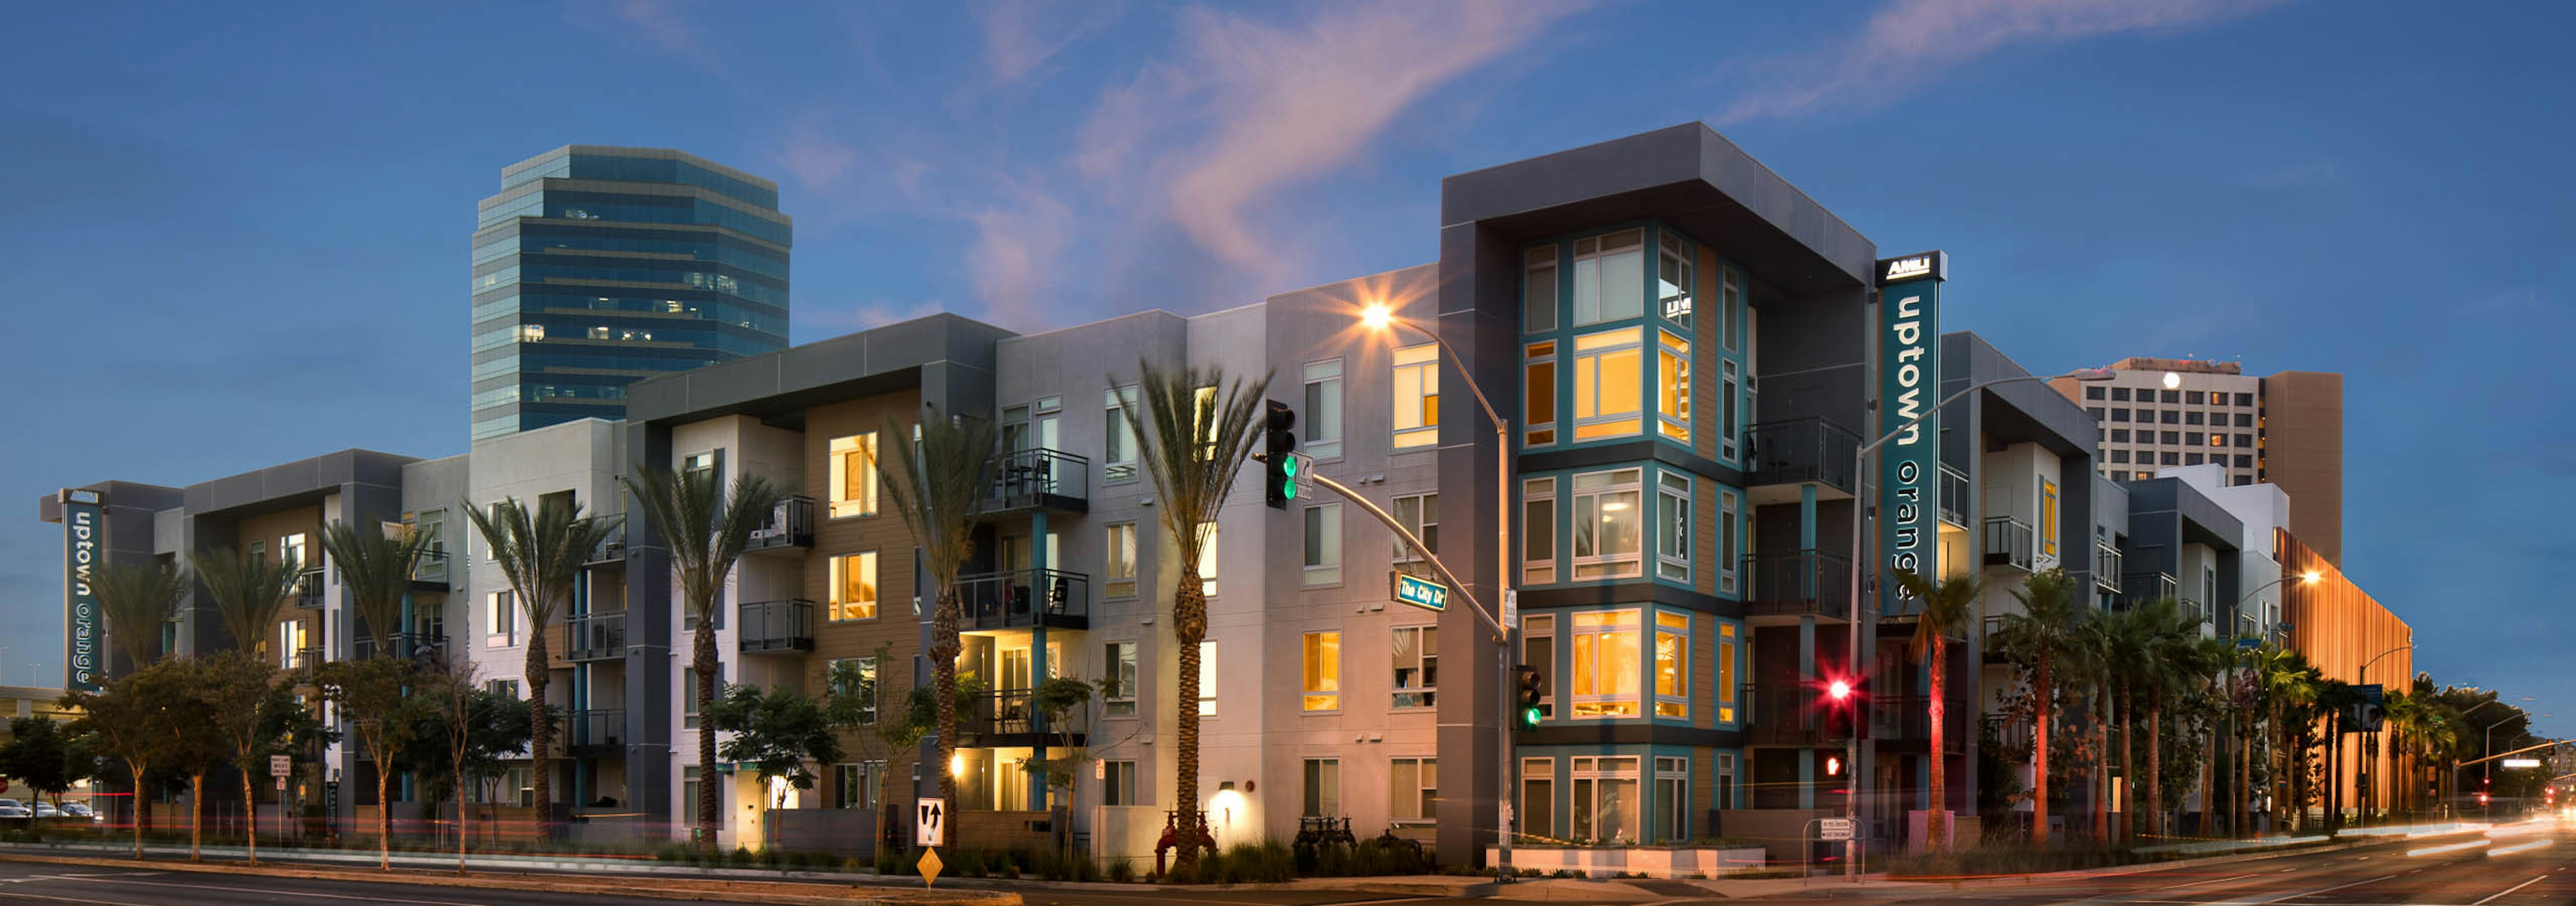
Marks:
<point>1280,462</point>
<point>1526,678</point>
<point>1833,765</point>
<point>1839,690</point>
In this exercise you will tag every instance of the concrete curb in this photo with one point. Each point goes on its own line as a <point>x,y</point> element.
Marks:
<point>743,891</point>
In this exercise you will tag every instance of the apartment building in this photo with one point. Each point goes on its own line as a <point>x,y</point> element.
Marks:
<point>2284,429</point>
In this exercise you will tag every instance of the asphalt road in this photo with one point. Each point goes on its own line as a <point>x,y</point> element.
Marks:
<point>2520,867</point>
<point>37,882</point>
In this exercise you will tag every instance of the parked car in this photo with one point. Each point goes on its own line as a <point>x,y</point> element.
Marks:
<point>76,810</point>
<point>47,810</point>
<point>9,808</point>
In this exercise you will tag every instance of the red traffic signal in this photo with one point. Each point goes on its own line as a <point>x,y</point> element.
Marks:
<point>1839,690</point>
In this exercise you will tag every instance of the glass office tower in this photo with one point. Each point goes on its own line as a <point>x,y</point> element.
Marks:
<point>598,266</point>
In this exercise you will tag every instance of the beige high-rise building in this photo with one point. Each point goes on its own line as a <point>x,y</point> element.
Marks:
<point>2284,428</point>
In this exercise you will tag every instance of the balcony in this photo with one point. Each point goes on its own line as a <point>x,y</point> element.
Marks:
<point>595,637</point>
<point>611,552</point>
<point>2008,543</point>
<point>1954,496</point>
<point>595,732</point>
<point>1907,721</point>
<point>790,527</point>
<point>430,573</point>
<point>308,590</point>
<point>776,627</point>
<point>400,644</point>
<point>1797,451</point>
<point>2192,611</point>
<point>1792,715</point>
<point>1005,718</point>
<point>1031,479</point>
<point>2106,568</point>
<point>1807,583</point>
<point>2140,588</point>
<point>1052,598</point>
<point>306,658</point>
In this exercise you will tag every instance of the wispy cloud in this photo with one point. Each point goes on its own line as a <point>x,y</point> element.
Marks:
<point>660,23</point>
<point>864,315</point>
<point>816,159</point>
<point>1018,242</point>
<point>1910,43</point>
<point>1021,35</point>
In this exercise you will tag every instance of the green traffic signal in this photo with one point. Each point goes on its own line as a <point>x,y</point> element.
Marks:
<point>1529,718</point>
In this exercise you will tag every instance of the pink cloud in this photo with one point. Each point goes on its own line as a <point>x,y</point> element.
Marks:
<point>1910,42</point>
<point>815,159</point>
<point>1021,35</point>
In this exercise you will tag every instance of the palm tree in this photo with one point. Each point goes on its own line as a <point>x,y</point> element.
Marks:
<point>377,565</point>
<point>1200,431</point>
<point>2289,687</point>
<point>2087,671</point>
<point>2173,652</point>
<point>2040,637</point>
<point>248,590</point>
<point>138,599</point>
<point>705,534</point>
<point>2128,646</point>
<point>1948,605</point>
<point>541,554</point>
<point>939,483</point>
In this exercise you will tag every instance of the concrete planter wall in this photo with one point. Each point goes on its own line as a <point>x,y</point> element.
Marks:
<point>1651,861</point>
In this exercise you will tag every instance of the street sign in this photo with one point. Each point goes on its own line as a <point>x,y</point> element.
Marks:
<point>281,784</point>
<point>280,765</point>
<point>1421,592</point>
<point>2520,763</point>
<point>1511,608</point>
<point>930,823</point>
<point>929,866</point>
<point>2369,711</point>
<point>1835,828</point>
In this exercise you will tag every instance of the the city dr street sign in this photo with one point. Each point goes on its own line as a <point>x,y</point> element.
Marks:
<point>1420,592</point>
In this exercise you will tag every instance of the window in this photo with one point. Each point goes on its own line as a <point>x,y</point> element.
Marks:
<point>2169,416</point>
<point>2169,397</point>
<point>1609,277</point>
<point>1608,383</point>
<point>2242,440</point>
<point>702,462</point>
<point>1672,664</point>
<point>1537,811</point>
<point>1118,783</point>
<point>1417,666</point>
<point>290,549</point>
<point>1538,396</point>
<point>1118,660</point>
<point>1727,513</point>
<point>2191,397</point>
<point>1672,799</point>
<point>500,620</point>
<point>1323,788</point>
<point>2092,393</point>
<point>292,637</point>
<point>1538,531</point>
<point>1323,562</point>
<point>1727,428</point>
<point>1538,289</point>
<point>1672,526</point>
<point>1118,560</point>
<point>2119,415</point>
<point>2119,456</point>
<point>2119,394</point>
<point>1673,280</point>
<point>1538,652</point>
<point>2244,419</point>
<point>2191,459</point>
<point>2120,435</point>
<point>2048,517</point>
<point>1419,514</point>
<point>858,784</point>
<point>1207,559</point>
<point>2245,399</point>
<point>2244,461</point>
<point>1323,417</point>
<point>1413,789</point>
<point>689,794</point>
<point>1731,289</point>
<point>2097,412</point>
<point>1605,664</point>
<point>1606,528</point>
<point>1725,780</point>
<point>854,586</point>
<point>1672,386</point>
<point>1207,678</point>
<point>1323,671</point>
<point>1726,672</point>
<point>1118,459</point>
<point>1205,421</point>
<point>2169,437</point>
<point>1417,396</point>
<point>2169,458</point>
<point>854,475</point>
<point>1605,799</point>
<point>2192,417</point>
<point>689,694</point>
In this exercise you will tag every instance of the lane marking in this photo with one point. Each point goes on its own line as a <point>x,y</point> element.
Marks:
<point>2454,847</point>
<point>2332,889</point>
<point>38,896</point>
<point>295,893</point>
<point>2521,848</point>
<point>2535,880</point>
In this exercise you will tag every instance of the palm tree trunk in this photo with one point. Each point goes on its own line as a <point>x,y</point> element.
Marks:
<point>1935,820</point>
<point>2039,757</point>
<point>250,810</point>
<point>196,813</point>
<point>2128,715</point>
<point>1189,626</point>
<point>2241,801</point>
<point>702,658</point>
<point>2156,763</point>
<point>2101,716</point>
<point>540,731</point>
<point>944,648</point>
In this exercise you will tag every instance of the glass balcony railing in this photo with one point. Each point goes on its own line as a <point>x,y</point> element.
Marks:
<point>611,549</point>
<point>2008,543</point>
<point>595,637</point>
<point>431,569</point>
<point>1954,496</point>
<point>1053,479</point>
<point>790,525</point>
<point>776,627</point>
<point>308,590</point>
<point>1807,583</point>
<point>595,728</point>
<point>1801,450</point>
<point>1026,597</point>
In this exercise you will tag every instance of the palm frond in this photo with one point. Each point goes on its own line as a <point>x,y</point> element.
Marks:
<point>248,589</point>
<point>1198,428</point>
<point>705,533</point>
<point>1947,604</point>
<point>540,553</point>
<point>938,484</point>
<point>137,599</point>
<point>377,566</point>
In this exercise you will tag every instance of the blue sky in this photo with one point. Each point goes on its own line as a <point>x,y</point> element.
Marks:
<point>241,233</point>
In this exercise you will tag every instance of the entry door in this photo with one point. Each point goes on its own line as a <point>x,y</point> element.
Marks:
<point>1015,669</point>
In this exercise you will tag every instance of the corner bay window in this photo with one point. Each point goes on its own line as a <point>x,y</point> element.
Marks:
<point>854,475</point>
<point>1538,289</point>
<point>1673,281</point>
<point>1417,396</point>
<point>1607,536</point>
<point>1672,664</point>
<point>1417,667</point>
<point>1323,671</point>
<point>1538,394</point>
<point>1726,672</point>
<point>1673,526</point>
<point>1672,386</point>
<point>1606,667</point>
<point>1609,383</point>
<point>1609,277</point>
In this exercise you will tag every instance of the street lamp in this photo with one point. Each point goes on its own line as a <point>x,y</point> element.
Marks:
<point>2486,772</point>
<point>1851,653</point>
<point>1378,316</point>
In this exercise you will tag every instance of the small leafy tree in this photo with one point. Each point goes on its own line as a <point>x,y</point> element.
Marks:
<point>238,688</point>
<point>858,706</point>
<point>1060,699</point>
<point>43,755</point>
<point>466,728</point>
<point>778,731</point>
<point>371,698</point>
<point>126,721</point>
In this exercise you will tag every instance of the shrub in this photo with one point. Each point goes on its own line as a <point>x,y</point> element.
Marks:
<point>1122,871</point>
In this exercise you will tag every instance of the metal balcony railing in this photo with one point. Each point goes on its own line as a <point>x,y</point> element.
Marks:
<point>2008,543</point>
<point>431,569</point>
<point>2192,611</point>
<point>1953,496</point>
<point>997,712</point>
<point>1799,450</point>
<point>611,549</point>
<point>400,644</point>
<point>1025,597</point>
<point>595,728</point>
<point>1793,714</point>
<point>1041,477</point>
<point>306,658</point>
<point>2139,588</point>
<point>1809,582</point>
<point>595,637</point>
<point>308,589</point>
<point>790,525</point>
<point>2106,568</point>
<point>776,626</point>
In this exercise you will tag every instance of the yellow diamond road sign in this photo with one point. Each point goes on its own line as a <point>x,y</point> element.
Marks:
<point>929,867</point>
